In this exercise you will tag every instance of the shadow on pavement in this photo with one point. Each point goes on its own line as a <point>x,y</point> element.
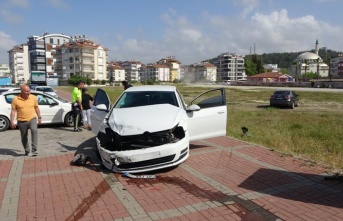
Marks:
<point>307,188</point>
<point>10,152</point>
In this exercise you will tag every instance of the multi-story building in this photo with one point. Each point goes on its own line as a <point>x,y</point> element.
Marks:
<point>132,69</point>
<point>115,72</point>
<point>5,70</point>
<point>81,56</point>
<point>337,66</point>
<point>19,64</point>
<point>174,67</point>
<point>42,51</point>
<point>156,72</point>
<point>200,72</point>
<point>230,67</point>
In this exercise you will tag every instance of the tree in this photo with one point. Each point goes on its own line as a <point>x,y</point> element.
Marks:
<point>250,68</point>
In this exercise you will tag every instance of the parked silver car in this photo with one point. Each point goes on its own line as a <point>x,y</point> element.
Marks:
<point>284,98</point>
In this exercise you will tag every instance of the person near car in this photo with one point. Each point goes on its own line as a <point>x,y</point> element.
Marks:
<point>126,84</point>
<point>86,112</point>
<point>25,106</point>
<point>77,104</point>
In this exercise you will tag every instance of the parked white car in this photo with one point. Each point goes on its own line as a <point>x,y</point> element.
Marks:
<point>150,127</point>
<point>53,110</point>
<point>46,89</point>
<point>4,89</point>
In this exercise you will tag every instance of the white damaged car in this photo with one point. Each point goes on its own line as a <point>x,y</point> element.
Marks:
<point>150,127</point>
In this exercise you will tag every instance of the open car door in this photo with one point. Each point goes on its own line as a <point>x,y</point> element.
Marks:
<point>210,120</point>
<point>100,108</point>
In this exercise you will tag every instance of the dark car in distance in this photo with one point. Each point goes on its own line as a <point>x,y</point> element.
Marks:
<point>284,98</point>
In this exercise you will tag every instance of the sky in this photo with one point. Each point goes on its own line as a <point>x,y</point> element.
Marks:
<point>190,30</point>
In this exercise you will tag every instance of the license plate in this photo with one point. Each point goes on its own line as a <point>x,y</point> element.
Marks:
<point>146,156</point>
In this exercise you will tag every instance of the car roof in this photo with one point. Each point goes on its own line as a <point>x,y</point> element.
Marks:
<point>151,88</point>
<point>18,92</point>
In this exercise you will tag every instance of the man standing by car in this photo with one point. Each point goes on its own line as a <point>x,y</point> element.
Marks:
<point>77,104</point>
<point>126,84</point>
<point>26,107</point>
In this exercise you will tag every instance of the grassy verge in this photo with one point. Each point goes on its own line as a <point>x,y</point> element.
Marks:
<point>313,131</point>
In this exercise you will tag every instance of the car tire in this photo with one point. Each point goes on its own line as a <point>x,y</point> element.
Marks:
<point>4,123</point>
<point>69,120</point>
<point>297,104</point>
<point>292,105</point>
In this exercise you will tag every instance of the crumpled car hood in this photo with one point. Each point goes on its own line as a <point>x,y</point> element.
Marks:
<point>152,118</point>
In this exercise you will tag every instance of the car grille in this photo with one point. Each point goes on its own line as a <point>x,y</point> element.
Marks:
<point>147,163</point>
<point>112,141</point>
<point>153,162</point>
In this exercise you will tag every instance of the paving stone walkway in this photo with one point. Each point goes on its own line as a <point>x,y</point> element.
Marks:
<point>223,179</point>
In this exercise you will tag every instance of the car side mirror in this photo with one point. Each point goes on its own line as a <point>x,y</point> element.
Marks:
<point>101,107</point>
<point>54,104</point>
<point>193,107</point>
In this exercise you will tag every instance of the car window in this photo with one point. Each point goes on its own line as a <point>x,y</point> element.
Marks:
<point>281,92</point>
<point>183,103</point>
<point>145,98</point>
<point>9,98</point>
<point>44,89</point>
<point>44,100</point>
<point>101,98</point>
<point>212,98</point>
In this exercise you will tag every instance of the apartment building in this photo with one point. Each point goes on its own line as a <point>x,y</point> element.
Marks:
<point>5,70</point>
<point>230,67</point>
<point>132,69</point>
<point>19,67</point>
<point>42,50</point>
<point>81,56</point>
<point>156,72</point>
<point>200,72</point>
<point>115,72</point>
<point>337,66</point>
<point>174,67</point>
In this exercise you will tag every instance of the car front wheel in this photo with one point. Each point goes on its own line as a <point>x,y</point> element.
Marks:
<point>4,123</point>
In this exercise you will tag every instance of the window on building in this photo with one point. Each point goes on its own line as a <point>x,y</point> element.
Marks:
<point>100,52</point>
<point>71,67</point>
<point>51,40</point>
<point>58,41</point>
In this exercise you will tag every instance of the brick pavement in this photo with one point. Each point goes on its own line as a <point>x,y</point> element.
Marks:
<point>223,179</point>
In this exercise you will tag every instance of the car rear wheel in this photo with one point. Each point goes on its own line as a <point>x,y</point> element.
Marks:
<point>69,120</point>
<point>292,105</point>
<point>4,123</point>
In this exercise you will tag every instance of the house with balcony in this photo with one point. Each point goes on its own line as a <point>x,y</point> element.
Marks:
<point>155,72</point>
<point>18,58</point>
<point>81,56</point>
<point>132,69</point>
<point>115,72</point>
<point>230,66</point>
<point>174,67</point>
<point>203,72</point>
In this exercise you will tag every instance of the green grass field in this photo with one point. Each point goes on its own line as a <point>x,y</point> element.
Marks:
<point>313,131</point>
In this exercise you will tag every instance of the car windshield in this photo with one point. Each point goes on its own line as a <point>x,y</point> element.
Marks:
<point>144,98</point>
